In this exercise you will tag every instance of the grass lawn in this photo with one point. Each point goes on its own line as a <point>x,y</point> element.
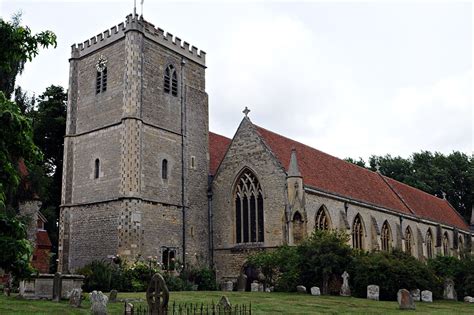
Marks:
<point>262,303</point>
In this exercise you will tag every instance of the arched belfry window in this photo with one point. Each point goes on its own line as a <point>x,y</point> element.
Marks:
<point>408,241</point>
<point>164,169</point>
<point>445,244</point>
<point>357,233</point>
<point>248,209</point>
<point>429,244</point>
<point>171,81</point>
<point>96,168</point>
<point>322,220</point>
<point>386,236</point>
<point>298,228</point>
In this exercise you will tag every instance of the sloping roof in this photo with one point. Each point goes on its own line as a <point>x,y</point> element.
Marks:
<point>333,175</point>
<point>42,239</point>
<point>217,148</point>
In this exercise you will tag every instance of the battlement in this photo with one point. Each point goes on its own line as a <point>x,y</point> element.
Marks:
<point>151,32</point>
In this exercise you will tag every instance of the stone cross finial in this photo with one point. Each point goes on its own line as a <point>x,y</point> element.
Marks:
<point>246,111</point>
<point>444,195</point>
<point>377,168</point>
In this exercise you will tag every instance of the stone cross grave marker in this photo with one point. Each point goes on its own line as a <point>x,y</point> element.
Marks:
<point>345,289</point>
<point>157,295</point>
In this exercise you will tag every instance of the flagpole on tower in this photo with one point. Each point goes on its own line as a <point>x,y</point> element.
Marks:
<point>141,4</point>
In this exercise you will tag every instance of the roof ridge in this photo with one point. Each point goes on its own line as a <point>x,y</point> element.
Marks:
<point>397,194</point>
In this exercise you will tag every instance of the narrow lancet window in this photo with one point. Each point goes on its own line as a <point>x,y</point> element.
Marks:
<point>164,169</point>
<point>97,168</point>
<point>445,244</point>
<point>429,244</point>
<point>386,237</point>
<point>408,241</point>
<point>322,221</point>
<point>357,233</point>
<point>171,81</point>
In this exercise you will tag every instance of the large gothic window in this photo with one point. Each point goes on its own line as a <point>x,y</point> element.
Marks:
<point>408,241</point>
<point>298,228</point>
<point>248,209</point>
<point>386,237</point>
<point>429,244</point>
<point>322,220</point>
<point>357,233</point>
<point>445,244</point>
<point>171,81</point>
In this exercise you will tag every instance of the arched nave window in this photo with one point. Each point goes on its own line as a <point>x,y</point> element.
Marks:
<point>429,244</point>
<point>322,220</point>
<point>408,241</point>
<point>357,233</point>
<point>445,244</point>
<point>248,209</point>
<point>386,236</point>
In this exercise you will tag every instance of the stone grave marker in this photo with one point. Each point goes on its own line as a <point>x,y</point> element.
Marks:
<point>405,300</point>
<point>254,286</point>
<point>301,289</point>
<point>157,295</point>
<point>57,287</point>
<point>113,296</point>
<point>345,289</point>
<point>225,303</point>
<point>415,294</point>
<point>228,286</point>
<point>315,291</point>
<point>426,296</point>
<point>373,292</point>
<point>98,303</point>
<point>75,297</point>
<point>242,282</point>
<point>469,299</point>
<point>128,309</point>
<point>449,293</point>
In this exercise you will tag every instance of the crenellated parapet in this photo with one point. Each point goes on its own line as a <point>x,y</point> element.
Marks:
<point>136,23</point>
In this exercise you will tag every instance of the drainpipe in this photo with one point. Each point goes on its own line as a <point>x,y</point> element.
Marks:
<point>209,219</point>
<point>183,186</point>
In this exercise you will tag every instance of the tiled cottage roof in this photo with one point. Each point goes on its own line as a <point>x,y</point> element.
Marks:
<point>42,239</point>
<point>217,148</point>
<point>333,175</point>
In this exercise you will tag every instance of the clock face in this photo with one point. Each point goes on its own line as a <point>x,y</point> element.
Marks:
<point>101,63</point>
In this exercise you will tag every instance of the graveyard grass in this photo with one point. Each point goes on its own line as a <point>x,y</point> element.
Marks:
<point>262,303</point>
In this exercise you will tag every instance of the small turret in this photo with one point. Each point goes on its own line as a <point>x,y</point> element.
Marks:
<point>294,182</point>
<point>293,170</point>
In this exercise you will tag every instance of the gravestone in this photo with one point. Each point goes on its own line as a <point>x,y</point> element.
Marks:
<point>113,296</point>
<point>260,287</point>
<point>405,300</point>
<point>98,303</point>
<point>345,289</point>
<point>75,297</point>
<point>254,286</point>
<point>228,286</point>
<point>224,303</point>
<point>301,289</point>
<point>242,282</point>
<point>426,296</point>
<point>128,309</point>
<point>469,299</point>
<point>415,294</point>
<point>157,295</point>
<point>57,287</point>
<point>315,291</point>
<point>268,290</point>
<point>449,293</point>
<point>373,292</point>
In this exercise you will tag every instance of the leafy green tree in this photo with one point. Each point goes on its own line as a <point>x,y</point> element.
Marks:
<point>17,46</point>
<point>360,162</point>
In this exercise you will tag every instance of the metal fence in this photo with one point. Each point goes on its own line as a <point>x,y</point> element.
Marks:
<point>193,309</point>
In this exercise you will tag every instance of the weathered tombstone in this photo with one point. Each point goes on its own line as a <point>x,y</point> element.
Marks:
<point>228,286</point>
<point>426,296</point>
<point>242,282</point>
<point>260,287</point>
<point>98,303</point>
<point>128,309</point>
<point>373,292</point>
<point>345,289</point>
<point>157,295</point>
<point>301,289</point>
<point>315,291</point>
<point>415,294</point>
<point>6,291</point>
<point>254,286</point>
<point>405,300</point>
<point>113,296</point>
<point>449,293</point>
<point>268,290</point>
<point>469,299</point>
<point>224,303</point>
<point>57,287</point>
<point>75,297</point>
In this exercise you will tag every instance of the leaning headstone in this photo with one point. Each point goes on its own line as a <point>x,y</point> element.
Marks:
<point>224,303</point>
<point>449,293</point>
<point>301,289</point>
<point>345,289</point>
<point>426,296</point>
<point>254,286</point>
<point>113,296</point>
<point>98,303</point>
<point>75,297</point>
<point>469,299</point>
<point>57,287</point>
<point>315,291</point>
<point>415,294</point>
<point>373,292</point>
<point>405,300</point>
<point>228,286</point>
<point>242,282</point>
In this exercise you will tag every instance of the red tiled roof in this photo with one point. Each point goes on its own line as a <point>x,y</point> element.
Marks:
<point>42,239</point>
<point>427,206</point>
<point>217,148</point>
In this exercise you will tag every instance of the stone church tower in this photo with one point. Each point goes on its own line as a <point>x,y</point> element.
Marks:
<point>136,149</point>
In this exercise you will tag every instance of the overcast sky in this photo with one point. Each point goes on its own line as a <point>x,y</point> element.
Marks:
<point>350,79</point>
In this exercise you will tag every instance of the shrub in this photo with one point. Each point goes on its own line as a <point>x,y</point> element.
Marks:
<point>98,276</point>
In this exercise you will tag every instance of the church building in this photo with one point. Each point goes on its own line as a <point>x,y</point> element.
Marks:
<point>144,177</point>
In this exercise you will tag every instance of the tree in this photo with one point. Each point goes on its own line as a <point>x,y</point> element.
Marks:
<point>17,46</point>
